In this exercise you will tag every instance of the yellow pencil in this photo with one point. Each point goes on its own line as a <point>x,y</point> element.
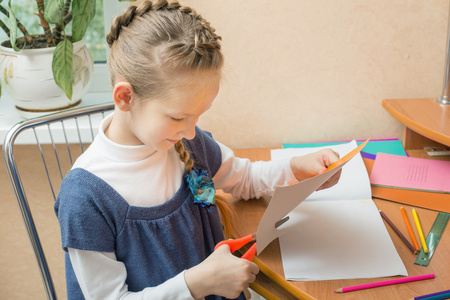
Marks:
<point>419,229</point>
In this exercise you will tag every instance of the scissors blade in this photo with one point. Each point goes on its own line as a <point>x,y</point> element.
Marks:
<point>250,253</point>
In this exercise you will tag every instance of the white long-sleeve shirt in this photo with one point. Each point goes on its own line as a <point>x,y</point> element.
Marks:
<point>101,275</point>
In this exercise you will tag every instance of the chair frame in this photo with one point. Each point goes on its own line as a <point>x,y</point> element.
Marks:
<point>11,167</point>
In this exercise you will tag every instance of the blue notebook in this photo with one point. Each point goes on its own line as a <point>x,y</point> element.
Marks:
<point>389,146</point>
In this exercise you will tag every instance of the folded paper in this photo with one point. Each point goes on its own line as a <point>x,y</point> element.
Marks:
<point>286,198</point>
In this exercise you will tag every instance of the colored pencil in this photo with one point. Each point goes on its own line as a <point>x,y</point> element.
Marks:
<point>419,229</point>
<point>438,297</point>
<point>410,231</point>
<point>402,237</point>
<point>383,283</point>
<point>434,296</point>
<point>262,291</point>
<point>286,285</point>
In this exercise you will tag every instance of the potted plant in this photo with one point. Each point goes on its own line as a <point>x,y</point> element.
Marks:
<point>54,61</point>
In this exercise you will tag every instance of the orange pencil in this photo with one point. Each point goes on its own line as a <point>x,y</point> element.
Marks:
<point>410,231</point>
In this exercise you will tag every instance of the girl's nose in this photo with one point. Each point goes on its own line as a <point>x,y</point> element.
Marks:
<point>189,132</point>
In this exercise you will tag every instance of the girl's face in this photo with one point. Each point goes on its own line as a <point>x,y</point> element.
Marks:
<point>160,123</point>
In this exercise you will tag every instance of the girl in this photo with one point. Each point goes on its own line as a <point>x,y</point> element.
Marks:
<point>138,214</point>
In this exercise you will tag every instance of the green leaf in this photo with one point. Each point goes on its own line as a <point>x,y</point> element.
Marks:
<point>83,11</point>
<point>12,28</point>
<point>54,11</point>
<point>62,66</point>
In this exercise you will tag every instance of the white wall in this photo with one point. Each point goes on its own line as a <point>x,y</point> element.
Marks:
<point>304,71</point>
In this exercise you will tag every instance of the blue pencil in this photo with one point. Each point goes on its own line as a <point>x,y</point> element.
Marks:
<point>434,296</point>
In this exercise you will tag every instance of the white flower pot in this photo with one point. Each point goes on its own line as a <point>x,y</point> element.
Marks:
<point>27,79</point>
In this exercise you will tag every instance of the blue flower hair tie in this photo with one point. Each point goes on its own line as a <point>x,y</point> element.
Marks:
<point>202,187</point>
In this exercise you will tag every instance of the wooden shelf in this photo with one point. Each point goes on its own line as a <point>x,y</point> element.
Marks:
<point>427,123</point>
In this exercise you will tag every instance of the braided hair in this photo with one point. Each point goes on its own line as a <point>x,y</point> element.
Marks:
<point>156,42</point>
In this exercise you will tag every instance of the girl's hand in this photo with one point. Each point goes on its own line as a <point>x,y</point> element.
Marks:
<point>221,274</point>
<point>316,163</point>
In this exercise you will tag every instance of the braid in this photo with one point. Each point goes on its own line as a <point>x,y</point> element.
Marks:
<point>119,22</point>
<point>154,44</point>
<point>127,17</point>
<point>184,156</point>
<point>226,209</point>
<point>205,38</point>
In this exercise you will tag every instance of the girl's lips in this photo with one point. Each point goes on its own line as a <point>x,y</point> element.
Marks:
<point>173,141</point>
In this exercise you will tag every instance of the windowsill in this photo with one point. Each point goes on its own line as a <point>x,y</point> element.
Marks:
<point>9,116</point>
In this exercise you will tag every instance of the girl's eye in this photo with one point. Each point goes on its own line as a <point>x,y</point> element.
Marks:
<point>176,119</point>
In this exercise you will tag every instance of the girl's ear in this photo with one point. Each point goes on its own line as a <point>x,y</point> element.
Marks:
<point>123,95</point>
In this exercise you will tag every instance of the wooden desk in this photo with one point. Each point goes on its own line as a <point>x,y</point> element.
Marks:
<point>250,213</point>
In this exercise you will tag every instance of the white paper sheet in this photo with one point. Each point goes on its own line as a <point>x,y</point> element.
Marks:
<point>337,233</point>
<point>283,201</point>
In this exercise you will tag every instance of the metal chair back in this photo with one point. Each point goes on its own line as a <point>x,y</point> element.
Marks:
<point>59,139</point>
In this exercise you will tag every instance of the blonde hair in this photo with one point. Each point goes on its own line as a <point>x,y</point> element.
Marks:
<point>154,44</point>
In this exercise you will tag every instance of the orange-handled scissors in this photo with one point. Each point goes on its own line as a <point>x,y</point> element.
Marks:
<point>236,244</point>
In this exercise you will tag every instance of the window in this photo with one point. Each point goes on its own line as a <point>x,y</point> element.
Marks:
<point>94,37</point>
<point>100,79</point>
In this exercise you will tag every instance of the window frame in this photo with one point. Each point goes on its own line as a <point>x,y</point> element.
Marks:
<point>100,76</point>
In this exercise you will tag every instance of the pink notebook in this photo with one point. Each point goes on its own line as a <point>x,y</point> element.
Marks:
<point>411,173</point>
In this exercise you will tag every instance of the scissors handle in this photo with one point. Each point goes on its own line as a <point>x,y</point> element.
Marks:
<point>250,253</point>
<point>236,244</point>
